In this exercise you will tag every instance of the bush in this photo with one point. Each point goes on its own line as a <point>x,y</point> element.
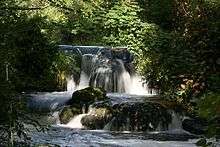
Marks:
<point>209,109</point>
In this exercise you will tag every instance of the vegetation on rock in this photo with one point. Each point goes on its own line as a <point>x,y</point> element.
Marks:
<point>139,116</point>
<point>80,101</point>
<point>68,113</point>
<point>87,96</point>
<point>97,118</point>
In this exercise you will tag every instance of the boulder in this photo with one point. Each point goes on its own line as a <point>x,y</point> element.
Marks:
<point>123,54</point>
<point>97,118</point>
<point>80,102</point>
<point>68,113</point>
<point>85,97</point>
<point>194,125</point>
<point>141,116</point>
<point>127,116</point>
<point>201,142</point>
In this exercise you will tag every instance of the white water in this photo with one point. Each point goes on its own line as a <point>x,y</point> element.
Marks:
<point>97,138</point>
<point>133,85</point>
<point>109,74</point>
<point>176,123</point>
<point>84,81</point>
<point>137,87</point>
<point>75,122</point>
<point>71,85</point>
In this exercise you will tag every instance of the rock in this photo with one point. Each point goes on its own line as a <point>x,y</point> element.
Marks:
<point>194,125</point>
<point>123,54</point>
<point>87,96</point>
<point>68,113</point>
<point>80,102</point>
<point>138,116</point>
<point>97,118</point>
<point>142,116</point>
<point>209,144</point>
<point>201,142</point>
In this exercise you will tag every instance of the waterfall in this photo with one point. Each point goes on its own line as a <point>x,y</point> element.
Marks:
<point>105,68</point>
<point>84,81</point>
<point>108,68</point>
<point>108,71</point>
<point>176,123</point>
<point>70,84</point>
<point>138,87</point>
<point>76,122</point>
<point>111,75</point>
<point>86,69</point>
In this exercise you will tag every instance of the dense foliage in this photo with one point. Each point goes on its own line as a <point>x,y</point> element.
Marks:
<point>176,45</point>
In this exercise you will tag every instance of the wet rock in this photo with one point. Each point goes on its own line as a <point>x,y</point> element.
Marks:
<point>123,54</point>
<point>194,125</point>
<point>138,116</point>
<point>68,113</point>
<point>85,97</point>
<point>80,102</point>
<point>97,118</point>
<point>145,116</point>
<point>201,142</point>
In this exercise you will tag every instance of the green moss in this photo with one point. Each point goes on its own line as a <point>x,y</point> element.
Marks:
<point>142,116</point>
<point>81,99</point>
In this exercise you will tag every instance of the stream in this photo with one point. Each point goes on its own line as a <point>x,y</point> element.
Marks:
<point>68,136</point>
<point>112,72</point>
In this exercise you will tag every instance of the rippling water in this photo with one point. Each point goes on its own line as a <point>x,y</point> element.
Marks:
<point>66,137</point>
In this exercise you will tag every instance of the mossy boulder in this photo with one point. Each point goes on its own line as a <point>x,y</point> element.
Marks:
<point>97,118</point>
<point>127,116</point>
<point>87,96</point>
<point>68,113</point>
<point>81,99</point>
<point>140,116</point>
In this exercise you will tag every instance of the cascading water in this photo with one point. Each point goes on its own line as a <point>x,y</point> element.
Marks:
<point>70,84</point>
<point>137,87</point>
<point>127,93</point>
<point>107,71</point>
<point>112,76</point>
<point>75,122</point>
